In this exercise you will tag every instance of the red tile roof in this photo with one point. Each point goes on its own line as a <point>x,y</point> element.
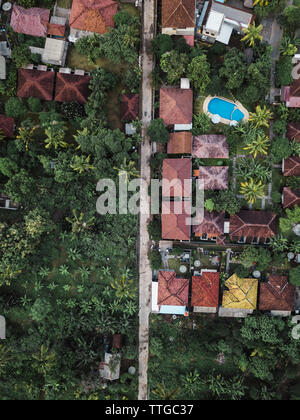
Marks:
<point>211,223</point>
<point>205,290</point>
<point>174,220</point>
<point>176,105</point>
<point>290,197</point>
<point>56,30</point>
<point>178,13</point>
<point>253,223</point>
<point>214,177</point>
<point>277,294</point>
<point>177,173</point>
<point>180,143</point>
<point>130,107</point>
<point>172,291</point>
<point>32,21</point>
<point>72,88</point>
<point>293,131</point>
<point>37,83</point>
<point>93,15</point>
<point>210,146</point>
<point>292,166</point>
<point>7,125</point>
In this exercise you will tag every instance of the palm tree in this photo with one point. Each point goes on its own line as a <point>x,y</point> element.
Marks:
<point>251,168</point>
<point>127,170</point>
<point>132,36</point>
<point>258,146</point>
<point>289,46</point>
<point>252,190</point>
<point>261,116</point>
<point>279,244</point>
<point>81,164</point>
<point>25,134</point>
<point>55,137</point>
<point>253,33</point>
<point>79,224</point>
<point>44,360</point>
<point>162,393</point>
<point>124,287</point>
<point>64,270</point>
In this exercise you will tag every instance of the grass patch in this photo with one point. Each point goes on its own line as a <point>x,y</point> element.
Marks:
<point>64,4</point>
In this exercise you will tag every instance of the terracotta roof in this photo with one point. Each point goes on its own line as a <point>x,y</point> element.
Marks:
<point>221,240</point>
<point>72,88</point>
<point>214,177</point>
<point>210,146</point>
<point>56,29</point>
<point>180,143</point>
<point>172,291</point>
<point>33,21</point>
<point>293,131</point>
<point>241,293</point>
<point>292,166</point>
<point>290,197</point>
<point>176,105</point>
<point>37,83</point>
<point>277,295</point>
<point>130,107</point>
<point>179,171</point>
<point>253,223</point>
<point>205,290</point>
<point>178,13</point>
<point>174,220</point>
<point>7,125</point>
<point>93,15</point>
<point>211,224</point>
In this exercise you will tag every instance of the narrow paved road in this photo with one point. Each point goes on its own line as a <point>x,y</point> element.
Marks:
<point>145,272</point>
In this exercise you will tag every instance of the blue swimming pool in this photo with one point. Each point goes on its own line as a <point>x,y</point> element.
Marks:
<point>225,109</point>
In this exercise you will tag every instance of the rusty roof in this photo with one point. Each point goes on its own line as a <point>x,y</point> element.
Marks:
<point>180,143</point>
<point>178,13</point>
<point>211,223</point>
<point>277,294</point>
<point>292,166</point>
<point>36,83</point>
<point>32,21</point>
<point>72,88</point>
<point>293,131</point>
<point>174,218</point>
<point>93,15</point>
<point>290,197</point>
<point>130,107</point>
<point>214,177</point>
<point>205,290</point>
<point>210,146</point>
<point>176,105</point>
<point>7,125</point>
<point>172,291</point>
<point>177,173</point>
<point>253,223</point>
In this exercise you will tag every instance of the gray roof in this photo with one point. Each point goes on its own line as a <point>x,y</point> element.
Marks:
<point>229,12</point>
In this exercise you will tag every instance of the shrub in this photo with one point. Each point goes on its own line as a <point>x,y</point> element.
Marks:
<point>15,108</point>
<point>284,71</point>
<point>154,229</point>
<point>72,110</point>
<point>158,132</point>
<point>154,259</point>
<point>294,276</point>
<point>34,104</point>
<point>280,149</point>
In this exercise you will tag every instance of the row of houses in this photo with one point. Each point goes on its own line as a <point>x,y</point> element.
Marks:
<point>238,298</point>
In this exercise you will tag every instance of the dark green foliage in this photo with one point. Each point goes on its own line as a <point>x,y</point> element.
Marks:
<point>154,229</point>
<point>284,71</point>
<point>280,149</point>
<point>15,108</point>
<point>34,104</point>
<point>294,276</point>
<point>161,44</point>
<point>157,131</point>
<point>155,259</point>
<point>72,110</point>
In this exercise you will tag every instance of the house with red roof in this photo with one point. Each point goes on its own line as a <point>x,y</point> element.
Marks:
<point>130,107</point>
<point>210,146</point>
<point>291,198</point>
<point>212,177</point>
<point>33,21</point>
<point>176,178</point>
<point>7,125</point>
<point>36,83</point>
<point>91,16</point>
<point>175,220</point>
<point>293,131</point>
<point>173,293</point>
<point>291,166</point>
<point>209,225</point>
<point>179,17</point>
<point>72,88</point>
<point>277,295</point>
<point>291,94</point>
<point>180,143</point>
<point>205,292</point>
<point>253,226</point>
<point>176,108</point>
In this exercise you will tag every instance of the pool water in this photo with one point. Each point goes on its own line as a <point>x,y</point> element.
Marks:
<point>225,109</point>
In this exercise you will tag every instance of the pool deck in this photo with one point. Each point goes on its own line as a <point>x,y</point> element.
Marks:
<point>225,120</point>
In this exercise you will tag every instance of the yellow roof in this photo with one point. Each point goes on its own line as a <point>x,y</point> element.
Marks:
<point>242,293</point>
